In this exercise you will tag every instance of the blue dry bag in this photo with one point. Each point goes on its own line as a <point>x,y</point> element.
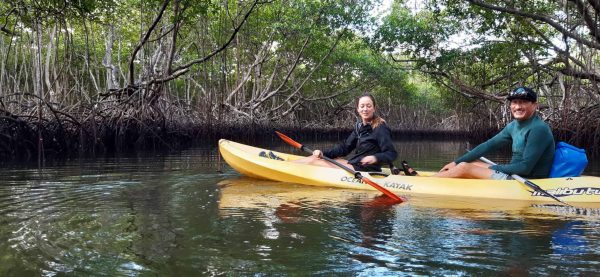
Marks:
<point>569,161</point>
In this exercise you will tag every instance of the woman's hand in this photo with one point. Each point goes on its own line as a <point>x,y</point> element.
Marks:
<point>318,153</point>
<point>368,160</point>
<point>448,166</point>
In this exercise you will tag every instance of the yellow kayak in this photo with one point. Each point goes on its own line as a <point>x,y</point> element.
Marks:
<point>256,162</point>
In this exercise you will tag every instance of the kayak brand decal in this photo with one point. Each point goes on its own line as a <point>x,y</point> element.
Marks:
<point>397,186</point>
<point>353,180</point>
<point>560,192</point>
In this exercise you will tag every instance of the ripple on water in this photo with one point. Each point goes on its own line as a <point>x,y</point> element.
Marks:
<point>180,215</point>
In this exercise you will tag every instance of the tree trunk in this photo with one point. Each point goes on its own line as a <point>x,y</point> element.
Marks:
<point>38,88</point>
<point>111,70</point>
<point>47,65</point>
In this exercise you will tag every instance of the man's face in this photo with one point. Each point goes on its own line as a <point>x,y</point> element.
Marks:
<point>522,109</point>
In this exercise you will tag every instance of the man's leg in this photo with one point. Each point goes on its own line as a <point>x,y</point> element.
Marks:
<point>474,170</point>
<point>480,164</point>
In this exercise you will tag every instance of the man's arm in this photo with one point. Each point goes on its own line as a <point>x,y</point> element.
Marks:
<point>497,141</point>
<point>537,141</point>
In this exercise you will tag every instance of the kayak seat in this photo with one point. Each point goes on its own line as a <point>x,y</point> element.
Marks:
<point>376,173</point>
<point>270,155</point>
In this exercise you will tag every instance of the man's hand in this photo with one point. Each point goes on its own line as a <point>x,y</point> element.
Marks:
<point>448,166</point>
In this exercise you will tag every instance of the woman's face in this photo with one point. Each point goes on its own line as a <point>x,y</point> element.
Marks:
<point>366,108</point>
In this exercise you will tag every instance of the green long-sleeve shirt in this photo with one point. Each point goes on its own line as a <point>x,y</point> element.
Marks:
<point>532,148</point>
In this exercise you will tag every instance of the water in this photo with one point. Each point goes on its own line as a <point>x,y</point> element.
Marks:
<point>188,214</point>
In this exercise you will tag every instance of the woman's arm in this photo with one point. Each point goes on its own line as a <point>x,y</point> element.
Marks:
<point>343,148</point>
<point>388,153</point>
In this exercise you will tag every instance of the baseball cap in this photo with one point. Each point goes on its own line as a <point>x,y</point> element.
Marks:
<point>524,93</point>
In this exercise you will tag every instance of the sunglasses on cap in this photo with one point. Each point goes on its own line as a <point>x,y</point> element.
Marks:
<point>522,93</point>
<point>518,92</point>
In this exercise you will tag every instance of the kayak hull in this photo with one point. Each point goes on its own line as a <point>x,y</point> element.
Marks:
<point>248,161</point>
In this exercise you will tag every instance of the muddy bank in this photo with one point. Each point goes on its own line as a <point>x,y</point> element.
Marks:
<point>34,140</point>
<point>31,140</point>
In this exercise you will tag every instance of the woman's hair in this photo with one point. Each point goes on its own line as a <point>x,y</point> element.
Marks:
<point>376,120</point>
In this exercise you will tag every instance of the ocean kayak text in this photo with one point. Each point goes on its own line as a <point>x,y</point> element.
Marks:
<point>385,184</point>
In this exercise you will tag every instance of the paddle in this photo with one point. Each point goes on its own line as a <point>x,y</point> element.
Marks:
<point>527,182</point>
<point>356,174</point>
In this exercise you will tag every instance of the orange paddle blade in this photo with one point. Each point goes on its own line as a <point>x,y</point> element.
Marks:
<point>382,189</point>
<point>289,141</point>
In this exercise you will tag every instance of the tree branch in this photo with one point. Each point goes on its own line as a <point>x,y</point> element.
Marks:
<point>587,18</point>
<point>184,67</point>
<point>465,89</point>
<point>540,18</point>
<point>144,40</point>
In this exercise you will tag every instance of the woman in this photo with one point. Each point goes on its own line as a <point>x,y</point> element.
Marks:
<point>371,141</point>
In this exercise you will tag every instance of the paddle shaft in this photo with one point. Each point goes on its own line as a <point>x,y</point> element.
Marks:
<point>356,174</point>
<point>308,150</point>
<point>526,182</point>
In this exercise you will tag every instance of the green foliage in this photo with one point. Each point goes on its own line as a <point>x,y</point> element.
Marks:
<point>457,42</point>
<point>293,51</point>
<point>416,34</point>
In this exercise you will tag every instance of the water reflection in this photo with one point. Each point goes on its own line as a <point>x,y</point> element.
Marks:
<point>423,236</point>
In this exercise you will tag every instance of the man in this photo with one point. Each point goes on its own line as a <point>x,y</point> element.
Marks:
<point>532,145</point>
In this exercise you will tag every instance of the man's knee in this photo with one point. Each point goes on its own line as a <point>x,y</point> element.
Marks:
<point>463,167</point>
<point>467,170</point>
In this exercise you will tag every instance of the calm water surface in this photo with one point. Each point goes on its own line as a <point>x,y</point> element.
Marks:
<point>188,214</point>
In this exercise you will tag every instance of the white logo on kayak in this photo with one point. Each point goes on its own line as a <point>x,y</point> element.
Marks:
<point>397,186</point>
<point>559,192</point>
<point>351,180</point>
<point>385,184</point>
